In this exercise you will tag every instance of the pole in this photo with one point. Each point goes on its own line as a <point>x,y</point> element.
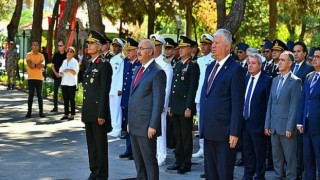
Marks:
<point>77,33</point>
<point>23,36</point>
<point>178,34</point>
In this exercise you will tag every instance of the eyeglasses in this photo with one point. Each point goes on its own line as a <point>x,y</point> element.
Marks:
<point>142,48</point>
<point>316,57</point>
<point>239,52</point>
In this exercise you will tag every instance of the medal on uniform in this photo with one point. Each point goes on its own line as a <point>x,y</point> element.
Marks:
<point>182,78</point>
<point>91,80</point>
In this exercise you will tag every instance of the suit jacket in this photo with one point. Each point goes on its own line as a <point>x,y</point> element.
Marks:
<point>147,101</point>
<point>303,70</point>
<point>282,113</point>
<point>259,103</point>
<point>222,108</point>
<point>311,101</point>
<point>184,87</point>
<point>96,87</point>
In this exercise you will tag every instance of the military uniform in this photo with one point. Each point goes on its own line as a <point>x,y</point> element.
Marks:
<point>11,66</point>
<point>96,87</point>
<point>184,87</point>
<point>116,86</point>
<point>108,56</point>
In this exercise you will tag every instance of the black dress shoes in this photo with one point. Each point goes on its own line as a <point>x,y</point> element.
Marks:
<point>28,115</point>
<point>64,117</point>
<point>42,115</point>
<point>239,163</point>
<point>71,117</point>
<point>126,155</point>
<point>203,176</point>
<point>183,170</point>
<point>173,167</point>
<point>54,110</point>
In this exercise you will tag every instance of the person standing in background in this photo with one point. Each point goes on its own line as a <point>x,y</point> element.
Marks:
<point>11,65</point>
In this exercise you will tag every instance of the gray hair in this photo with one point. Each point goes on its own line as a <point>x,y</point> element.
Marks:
<point>150,43</point>
<point>290,55</point>
<point>253,50</point>
<point>225,33</point>
<point>256,56</point>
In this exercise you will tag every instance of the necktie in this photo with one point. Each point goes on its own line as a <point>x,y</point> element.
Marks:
<point>247,102</point>
<point>296,68</point>
<point>211,77</point>
<point>138,76</point>
<point>314,81</point>
<point>280,84</point>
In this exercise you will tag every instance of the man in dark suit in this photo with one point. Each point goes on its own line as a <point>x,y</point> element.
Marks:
<point>131,63</point>
<point>300,68</point>
<point>221,109</point>
<point>182,107</point>
<point>95,109</point>
<point>309,119</point>
<point>281,118</point>
<point>267,65</point>
<point>258,86</point>
<point>106,49</point>
<point>146,102</point>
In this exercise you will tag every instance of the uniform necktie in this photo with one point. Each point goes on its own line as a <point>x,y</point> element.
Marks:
<point>314,81</point>
<point>246,103</point>
<point>296,68</point>
<point>138,76</point>
<point>211,77</point>
<point>279,87</point>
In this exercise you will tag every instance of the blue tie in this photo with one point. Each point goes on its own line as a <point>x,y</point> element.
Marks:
<point>313,83</point>
<point>296,68</point>
<point>280,84</point>
<point>246,103</point>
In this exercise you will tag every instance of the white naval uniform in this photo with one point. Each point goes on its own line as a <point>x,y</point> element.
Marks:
<point>203,62</point>
<point>161,140</point>
<point>117,64</point>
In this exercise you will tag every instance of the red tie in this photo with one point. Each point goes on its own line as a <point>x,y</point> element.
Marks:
<point>138,76</point>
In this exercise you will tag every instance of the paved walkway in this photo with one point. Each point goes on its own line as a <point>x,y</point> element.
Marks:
<point>51,149</point>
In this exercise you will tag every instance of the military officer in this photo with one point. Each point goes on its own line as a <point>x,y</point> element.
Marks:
<point>277,48</point>
<point>106,49</point>
<point>169,51</point>
<point>241,52</point>
<point>130,64</point>
<point>95,110</point>
<point>182,106</point>
<point>267,65</point>
<point>194,51</point>
<point>11,65</point>
<point>165,64</point>
<point>203,62</point>
<point>116,87</point>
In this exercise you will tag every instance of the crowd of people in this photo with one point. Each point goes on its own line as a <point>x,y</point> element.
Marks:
<point>262,102</point>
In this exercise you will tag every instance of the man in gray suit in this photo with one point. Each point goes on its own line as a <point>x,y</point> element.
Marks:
<point>146,102</point>
<point>281,118</point>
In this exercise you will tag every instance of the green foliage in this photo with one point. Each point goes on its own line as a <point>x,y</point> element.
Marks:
<point>20,65</point>
<point>49,71</point>
<point>6,9</point>
<point>79,95</point>
<point>26,17</point>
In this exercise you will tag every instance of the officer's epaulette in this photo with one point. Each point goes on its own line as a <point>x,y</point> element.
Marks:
<point>166,60</point>
<point>111,53</point>
<point>122,56</point>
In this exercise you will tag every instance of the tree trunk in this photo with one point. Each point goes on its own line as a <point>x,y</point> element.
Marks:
<point>51,27</point>
<point>95,18</point>
<point>221,12</point>
<point>273,18</point>
<point>303,30</point>
<point>151,17</point>
<point>291,30</point>
<point>36,31</point>
<point>189,19</point>
<point>14,23</point>
<point>235,16</point>
<point>68,13</point>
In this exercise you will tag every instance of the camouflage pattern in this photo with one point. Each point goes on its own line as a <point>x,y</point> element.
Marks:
<point>11,65</point>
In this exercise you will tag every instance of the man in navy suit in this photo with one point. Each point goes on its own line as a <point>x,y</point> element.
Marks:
<point>146,103</point>
<point>309,119</point>
<point>221,108</point>
<point>300,68</point>
<point>258,86</point>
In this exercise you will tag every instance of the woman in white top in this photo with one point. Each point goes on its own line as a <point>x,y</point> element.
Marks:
<point>69,72</point>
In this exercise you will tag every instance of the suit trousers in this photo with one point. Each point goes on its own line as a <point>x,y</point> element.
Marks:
<point>170,133</point>
<point>284,151</point>
<point>56,85</point>
<point>219,160</point>
<point>183,137</point>
<point>32,86</point>
<point>199,123</point>
<point>125,122</point>
<point>116,112</point>
<point>97,142</point>
<point>69,93</point>
<point>300,167</point>
<point>144,154</point>
<point>162,140</point>
<point>311,154</point>
<point>254,156</point>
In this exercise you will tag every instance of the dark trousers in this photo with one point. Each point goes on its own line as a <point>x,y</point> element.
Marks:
<point>69,93</point>
<point>219,160</point>
<point>125,123</point>
<point>183,138</point>
<point>56,85</point>
<point>97,142</point>
<point>311,154</point>
<point>254,156</point>
<point>300,167</point>
<point>32,86</point>
<point>144,155</point>
<point>269,152</point>
<point>170,133</point>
